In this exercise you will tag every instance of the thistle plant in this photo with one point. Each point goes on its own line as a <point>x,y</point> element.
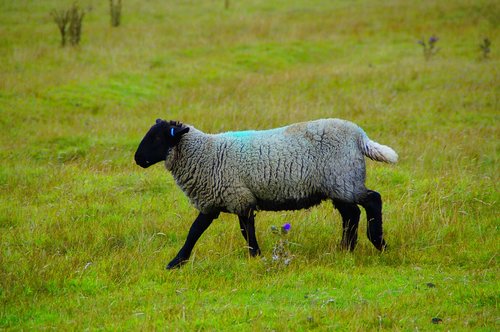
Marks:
<point>115,8</point>
<point>75,24</point>
<point>69,23</point>
<point>282,256</point>
<point>429,48</point>
<point>61,18</point>
<point>485,48</point>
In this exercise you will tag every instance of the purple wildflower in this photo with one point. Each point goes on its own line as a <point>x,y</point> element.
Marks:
<point>433,40</point>
<point>286,228</point>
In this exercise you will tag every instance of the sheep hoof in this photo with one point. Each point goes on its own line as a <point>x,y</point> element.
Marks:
<point>176,263</point>
<point>348,246</point>
<point>382,247</point>
<point>254,252</point>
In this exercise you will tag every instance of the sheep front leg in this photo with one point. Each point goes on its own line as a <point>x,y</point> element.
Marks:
<point>247,225</point>
<point>200,224</point>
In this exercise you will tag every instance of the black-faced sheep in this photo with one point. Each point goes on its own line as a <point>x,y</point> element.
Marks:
<point>288,168</point>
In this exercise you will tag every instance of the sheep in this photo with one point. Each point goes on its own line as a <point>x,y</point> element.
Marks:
<point>288,168</point>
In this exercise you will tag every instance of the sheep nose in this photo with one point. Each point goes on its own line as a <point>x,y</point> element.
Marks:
<point>144,164</point>
<point>141,161</point>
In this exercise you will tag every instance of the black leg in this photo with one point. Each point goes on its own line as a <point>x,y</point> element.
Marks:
<point>200,224</point>
<point>372,203</point>
<point>247,225</point>
<point>350,219</point>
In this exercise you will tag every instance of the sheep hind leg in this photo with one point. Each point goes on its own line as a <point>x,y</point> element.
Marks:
<point>372,202</point>
<point>199,225</point>
<point>247,225</point>
<point>350,219</point>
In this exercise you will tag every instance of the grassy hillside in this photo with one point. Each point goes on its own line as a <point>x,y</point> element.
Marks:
<point>85,233</point>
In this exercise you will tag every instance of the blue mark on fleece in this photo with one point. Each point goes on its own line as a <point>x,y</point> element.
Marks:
<point>240,134</point>
<point>253,133</point>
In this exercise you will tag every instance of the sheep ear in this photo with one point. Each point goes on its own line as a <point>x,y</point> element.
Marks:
<point>158,121</point>
<point>183,130</point>
<point>178,131</point>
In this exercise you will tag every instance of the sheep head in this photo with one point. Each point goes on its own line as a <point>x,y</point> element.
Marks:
<point>162,136</point>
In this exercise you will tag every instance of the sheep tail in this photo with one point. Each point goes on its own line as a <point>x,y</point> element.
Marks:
<point>376,151</point>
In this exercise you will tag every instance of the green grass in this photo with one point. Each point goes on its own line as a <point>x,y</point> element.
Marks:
<point>85,233</point>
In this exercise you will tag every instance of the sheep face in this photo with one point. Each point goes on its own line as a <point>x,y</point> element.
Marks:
<point>159,139</point>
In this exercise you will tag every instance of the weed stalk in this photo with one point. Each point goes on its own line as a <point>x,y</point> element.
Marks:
<point>115,8</point>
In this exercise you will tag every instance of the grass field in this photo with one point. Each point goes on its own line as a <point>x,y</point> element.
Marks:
<point>85,234</point>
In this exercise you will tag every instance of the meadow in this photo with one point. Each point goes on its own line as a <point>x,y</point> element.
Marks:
<point>85,234</point>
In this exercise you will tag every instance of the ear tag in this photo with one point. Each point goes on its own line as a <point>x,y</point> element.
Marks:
<point>172,132</point>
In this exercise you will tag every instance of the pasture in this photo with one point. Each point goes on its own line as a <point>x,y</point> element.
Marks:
<point>85,234</point>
